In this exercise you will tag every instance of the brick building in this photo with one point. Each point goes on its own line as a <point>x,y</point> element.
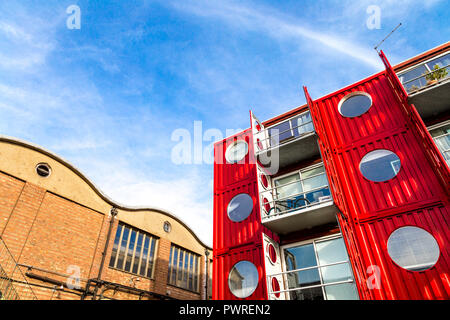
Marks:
<point>62,238</point>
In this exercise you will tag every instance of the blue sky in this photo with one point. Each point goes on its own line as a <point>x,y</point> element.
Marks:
<point>109,96</point>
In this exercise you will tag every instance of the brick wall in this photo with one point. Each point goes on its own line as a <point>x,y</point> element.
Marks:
<point>52,233</point>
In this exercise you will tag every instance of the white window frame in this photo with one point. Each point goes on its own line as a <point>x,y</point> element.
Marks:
<point>299,172</point>
<point>318,266</point>
<point>438,126</point>
<point>400,73</point>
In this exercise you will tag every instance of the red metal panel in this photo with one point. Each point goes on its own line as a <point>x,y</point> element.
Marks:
<point>417,195</point>
<point>225,174</point>
<point>223,265</point>
<point>229,234</point>
<point>399,283</point>
<point>236,241</point>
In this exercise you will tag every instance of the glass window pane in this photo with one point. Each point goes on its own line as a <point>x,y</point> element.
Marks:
<point>301,257</point>
<point>236,151</point>
<point>413,248</point>
<point>123,247</point>
<point>312,172</point>
<point>115,246</point>
<point>130,250</point>
<point>354,105</point>
<point>243,279</point>
<point>302,124</point>
<point>174,268</point>
<point>315,182</point>
<point>143,269</point>
<point>291,189</point>
<point>280,132</point>
<point>411,86</point>
<point>137,256</point>
<point>331,251</point>
<point>240,207</point>
<point>380,165</point>
<point>345,291</point>
<point>150,258</point>
<point>307,294</point>
<point>336,273</point>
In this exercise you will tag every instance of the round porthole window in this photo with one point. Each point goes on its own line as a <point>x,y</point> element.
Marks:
<point>275,287</point>
<point>243,279</point>
<point>380,165</point>
<point>264,181</point>
<point>413,248</point>
<point>272,253</point>
<point>43,170</point>
<point>240,207</point>
<point>167,227</point>
<point>236,151</point>
<point>355,104</point>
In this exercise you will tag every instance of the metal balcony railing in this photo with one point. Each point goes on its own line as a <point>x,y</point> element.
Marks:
<point>13,283</point>
<point>299,287</point>
<point>273,139</point>
<point>293,202</point>
<point>427,79</point>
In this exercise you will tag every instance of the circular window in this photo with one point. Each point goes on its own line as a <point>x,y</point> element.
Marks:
<point>413,248</point>
<point>380,165</point>
<point>240,207</point>
<point>272,253</point>
<point>236,151</point>
<point>275,287</point>
<point>266,206</point>
<point>43,170</point>
<point>243,279</point>
<point>264,181</point>
<point>167,227</point>
<point>355,104</point>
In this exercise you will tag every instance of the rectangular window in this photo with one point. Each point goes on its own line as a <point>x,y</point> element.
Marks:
<point>292,128</point>
<point>319,270</point>
<point>425,73</point>
<point>441,137</point>
<point>300,189</point>
<point>183,269</point>
<point>133,254</point>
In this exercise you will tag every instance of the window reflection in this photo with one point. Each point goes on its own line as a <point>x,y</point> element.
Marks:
<point>380,165</point>
<point>243,279</point>
<point>313,275</point>
<point>441,137</point>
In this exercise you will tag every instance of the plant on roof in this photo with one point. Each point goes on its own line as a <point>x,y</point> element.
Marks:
<point>437,73</point>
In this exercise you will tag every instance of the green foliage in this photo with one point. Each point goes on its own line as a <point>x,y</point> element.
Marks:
<point>437,73</point>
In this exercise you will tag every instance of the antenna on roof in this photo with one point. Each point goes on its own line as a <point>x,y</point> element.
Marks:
<point>376,47</point>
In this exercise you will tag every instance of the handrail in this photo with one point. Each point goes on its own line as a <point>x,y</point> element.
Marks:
<point>297,194</point>
<point>270,276</point>
<point>425,74</point>
<point>7,262</point>
<point>282,132</point>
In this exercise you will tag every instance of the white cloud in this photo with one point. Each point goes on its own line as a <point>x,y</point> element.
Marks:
<point>277,26</point>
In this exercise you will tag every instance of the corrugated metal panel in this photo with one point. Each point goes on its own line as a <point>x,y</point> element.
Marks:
<point>417,196</point>
<point>415,183</point>
<point>399,283</point>
<point>224,263</point>
<point>225,174</point>
<point>229,234</point>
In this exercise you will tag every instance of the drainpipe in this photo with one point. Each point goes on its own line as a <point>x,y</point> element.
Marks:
<point>206,264</point>
<point>113,213</point>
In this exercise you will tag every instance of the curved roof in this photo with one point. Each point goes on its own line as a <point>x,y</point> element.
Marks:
<point>96,189</point>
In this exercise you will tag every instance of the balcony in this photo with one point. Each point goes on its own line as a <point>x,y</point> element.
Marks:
<point>300,200</point>
<point>428,86</point>
<point>290,141</point>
